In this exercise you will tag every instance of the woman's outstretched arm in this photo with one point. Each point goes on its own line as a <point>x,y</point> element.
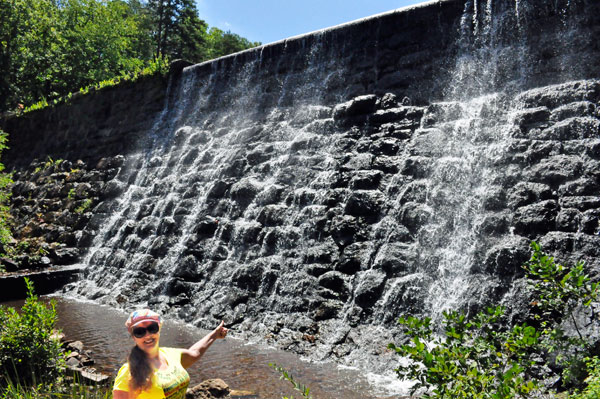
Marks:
<point>195,352</point>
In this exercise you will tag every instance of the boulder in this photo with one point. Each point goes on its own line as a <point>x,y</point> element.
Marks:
<point>209,389</point>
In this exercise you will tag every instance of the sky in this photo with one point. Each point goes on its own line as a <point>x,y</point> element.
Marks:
<point>268,21</point>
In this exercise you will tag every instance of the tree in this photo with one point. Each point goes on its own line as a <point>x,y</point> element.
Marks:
<point>178,31</point>
<point>223,43</point>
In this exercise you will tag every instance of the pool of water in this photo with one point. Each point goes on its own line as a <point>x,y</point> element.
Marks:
<point>242,366</point>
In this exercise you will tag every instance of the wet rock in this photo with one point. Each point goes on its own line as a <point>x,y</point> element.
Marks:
<point>557,169</point>
<point>579,187</point>
<point>590,221</point>
<point>248,276</point>
<point>334,281</point>
<point>570,129</point>
<point>507,258</point>
<point>64,255</point>
<point>369,288</point>
<point>495,224</point>
<point>387,101</point>
<point>325,253</point>
<point>272,215</point>
<point>417,167</point>
<point>582,203</point>
<point>206,226</point>
<point>364,203</point>
<point>176,286</point>
<point>344,229</point>
<point>568,219</point>
<point>366,180</point>
<point>160,246</point>
<point>531,117</point>
<point>327,309</point>
<point>525,193</point>
<point>395,258</point>
<point>405,296</point>
<point>351,258</point>
<point>387,164</point>
<point>110,162</point>
<point>209,389</point>
<point>441,112</point>
<point>578,108</point>
<point>539,218</point>
<point>414,215</point>
<point>358,106</point>
<point>243,192</point>
<point>167,226</point>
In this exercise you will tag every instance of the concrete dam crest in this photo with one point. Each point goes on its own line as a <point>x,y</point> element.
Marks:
<point>311,191</point>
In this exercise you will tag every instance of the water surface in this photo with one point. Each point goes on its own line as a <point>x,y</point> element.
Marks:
<point>242,366</point>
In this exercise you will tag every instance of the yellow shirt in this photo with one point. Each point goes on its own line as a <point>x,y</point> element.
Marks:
<point>170,383</point>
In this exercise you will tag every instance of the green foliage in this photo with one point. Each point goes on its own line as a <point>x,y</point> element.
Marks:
<point>85,205</point>
<point>592,390</point>
<point>58,390</point>
<point>6,183</point>
<point>477,358</point>
<point>28,351</point>
<point>222,43</point>
<point>49,49</point>
<point>561,292</point>
<point>471,360</point>
<point>284,375</point>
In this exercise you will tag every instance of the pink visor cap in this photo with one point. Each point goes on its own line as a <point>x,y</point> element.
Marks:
<point>140,316</point>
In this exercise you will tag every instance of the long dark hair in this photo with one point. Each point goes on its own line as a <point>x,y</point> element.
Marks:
<point>140,369</point>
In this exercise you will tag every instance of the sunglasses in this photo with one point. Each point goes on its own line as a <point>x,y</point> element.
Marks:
<point>140,332</point>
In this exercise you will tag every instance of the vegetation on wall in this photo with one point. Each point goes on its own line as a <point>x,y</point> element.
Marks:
<point>5,195</point>
<point>50,48</point>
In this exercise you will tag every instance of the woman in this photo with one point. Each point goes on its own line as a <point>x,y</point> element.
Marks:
<point>152,372</point>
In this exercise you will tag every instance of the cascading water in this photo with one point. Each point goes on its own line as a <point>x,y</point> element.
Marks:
<point>465,140</point>
<point>313,225</point>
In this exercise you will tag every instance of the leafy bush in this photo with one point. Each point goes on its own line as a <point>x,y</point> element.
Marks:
<point>471,359</point>
<point>478,358</point>
<point>28,351</point>
<point>561,292</point>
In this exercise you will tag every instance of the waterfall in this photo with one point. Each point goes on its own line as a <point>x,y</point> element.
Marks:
<point>309,193</point>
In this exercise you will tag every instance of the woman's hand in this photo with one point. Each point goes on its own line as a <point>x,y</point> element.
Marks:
<point>221,332</point>
<point>195,352</point>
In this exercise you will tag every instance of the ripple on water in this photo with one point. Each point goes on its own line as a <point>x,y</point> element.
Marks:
<point>243,366</point>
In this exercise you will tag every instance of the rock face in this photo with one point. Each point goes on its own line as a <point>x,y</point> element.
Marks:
<point>310,193</point>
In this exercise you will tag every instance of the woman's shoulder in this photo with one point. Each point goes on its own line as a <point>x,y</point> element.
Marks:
<point>122,379</point>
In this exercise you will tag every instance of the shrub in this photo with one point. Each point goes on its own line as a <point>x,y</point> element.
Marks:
<point>471,359</point>
<point>479,358</point>
<point>29,353</point>
<point>560,293</point>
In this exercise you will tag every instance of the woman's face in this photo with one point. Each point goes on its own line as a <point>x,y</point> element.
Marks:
<point>148,342</point>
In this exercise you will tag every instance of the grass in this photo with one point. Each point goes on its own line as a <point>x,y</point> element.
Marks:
<point>59,390</point>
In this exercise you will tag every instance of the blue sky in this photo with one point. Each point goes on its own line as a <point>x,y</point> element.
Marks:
<point>267,21</point>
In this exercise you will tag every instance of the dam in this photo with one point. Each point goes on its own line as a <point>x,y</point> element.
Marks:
<point>311,191</point>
